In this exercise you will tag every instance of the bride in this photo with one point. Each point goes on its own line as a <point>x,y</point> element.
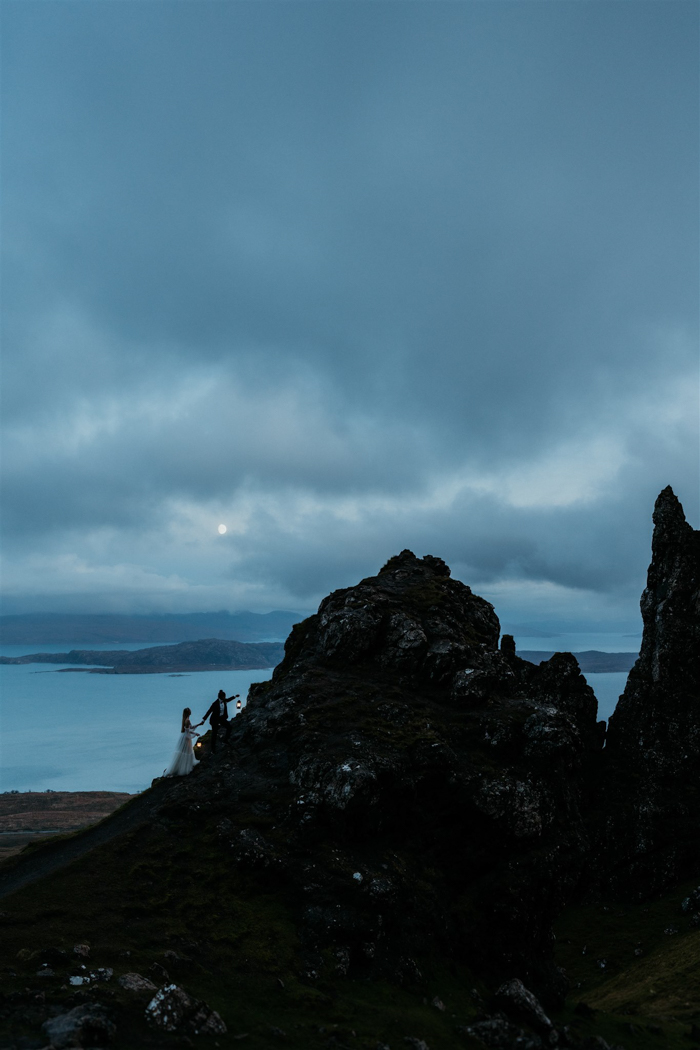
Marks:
<point>183,756</point>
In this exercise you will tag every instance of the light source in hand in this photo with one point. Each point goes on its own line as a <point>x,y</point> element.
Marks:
<point>239,704</point>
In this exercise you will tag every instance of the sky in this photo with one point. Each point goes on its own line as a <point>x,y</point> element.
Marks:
<point>346,277</point>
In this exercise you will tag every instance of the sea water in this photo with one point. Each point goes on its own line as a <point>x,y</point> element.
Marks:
<point>76,731</point>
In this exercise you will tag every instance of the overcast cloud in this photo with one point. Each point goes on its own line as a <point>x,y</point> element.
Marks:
<point>346,277</point>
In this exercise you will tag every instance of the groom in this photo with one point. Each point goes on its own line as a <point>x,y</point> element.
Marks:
<point>218,717</point>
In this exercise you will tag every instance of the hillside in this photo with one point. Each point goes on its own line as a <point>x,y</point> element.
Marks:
<point>378,859</point>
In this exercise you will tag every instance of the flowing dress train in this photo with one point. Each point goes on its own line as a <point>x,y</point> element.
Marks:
<point>183,756</point>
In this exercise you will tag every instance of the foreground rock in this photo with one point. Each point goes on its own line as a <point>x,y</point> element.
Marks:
<point>173,1010</point>
<point>86,1025</point>
<point>653,746</point>
<point>134,982</point>
<point>409,786</point>
<point>519,1003</point>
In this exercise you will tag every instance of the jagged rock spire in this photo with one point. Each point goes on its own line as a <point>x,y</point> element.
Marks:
<point>653,746</point>
<point>668,516</point>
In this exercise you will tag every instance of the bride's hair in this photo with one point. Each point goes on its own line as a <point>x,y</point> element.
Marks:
<point>185,715</point>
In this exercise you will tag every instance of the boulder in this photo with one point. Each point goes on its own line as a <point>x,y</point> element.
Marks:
<point>173,1010</point>
<point>86,1025</point>
<point>102,973</point>
<point>134,982</point>
<point>515,999</point>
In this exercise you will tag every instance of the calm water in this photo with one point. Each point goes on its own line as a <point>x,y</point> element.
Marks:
<point>91,732</point>
<point>607,688</point>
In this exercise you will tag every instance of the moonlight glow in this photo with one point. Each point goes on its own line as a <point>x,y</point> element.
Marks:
<point>222,529</point>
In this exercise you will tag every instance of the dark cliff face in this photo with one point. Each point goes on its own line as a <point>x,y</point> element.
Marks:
<point>653,744</point>
<point>408,787</point>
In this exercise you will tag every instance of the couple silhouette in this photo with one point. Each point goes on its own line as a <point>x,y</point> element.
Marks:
<point>183,760</point>
<point>218,717</point>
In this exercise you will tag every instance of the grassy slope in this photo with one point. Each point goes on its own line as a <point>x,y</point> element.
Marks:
<point>646,1000</point>
<point>142,895</point>
<point>136,895</point>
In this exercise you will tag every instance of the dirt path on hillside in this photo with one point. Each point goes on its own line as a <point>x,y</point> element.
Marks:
<point>21,870</point>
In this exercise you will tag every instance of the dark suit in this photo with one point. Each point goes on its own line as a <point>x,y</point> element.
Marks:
<point>218,721</point>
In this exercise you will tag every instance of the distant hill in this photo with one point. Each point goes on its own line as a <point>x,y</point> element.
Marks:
<point>55,628</point>
<point>209,654</point>
<point>590,661</point>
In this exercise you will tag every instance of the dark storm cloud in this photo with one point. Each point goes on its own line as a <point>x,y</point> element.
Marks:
<point>358,276</point>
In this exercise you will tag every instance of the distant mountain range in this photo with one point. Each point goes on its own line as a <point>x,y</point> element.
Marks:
<point>210,654</point>
<point>55,628</point>
<point>590,661</point>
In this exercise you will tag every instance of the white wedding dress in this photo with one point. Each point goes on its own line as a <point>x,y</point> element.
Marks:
<point>183,756</point>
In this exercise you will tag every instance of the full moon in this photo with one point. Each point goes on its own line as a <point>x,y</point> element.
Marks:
<point>222,529</point>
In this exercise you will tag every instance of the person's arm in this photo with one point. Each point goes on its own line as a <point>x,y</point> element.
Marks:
<point>209,712</point>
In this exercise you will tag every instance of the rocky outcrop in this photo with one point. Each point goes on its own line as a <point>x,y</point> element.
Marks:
<point>409,787</point>
<point>653,744</point>
<point>85,1025</point>
<point>173,1010</point>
